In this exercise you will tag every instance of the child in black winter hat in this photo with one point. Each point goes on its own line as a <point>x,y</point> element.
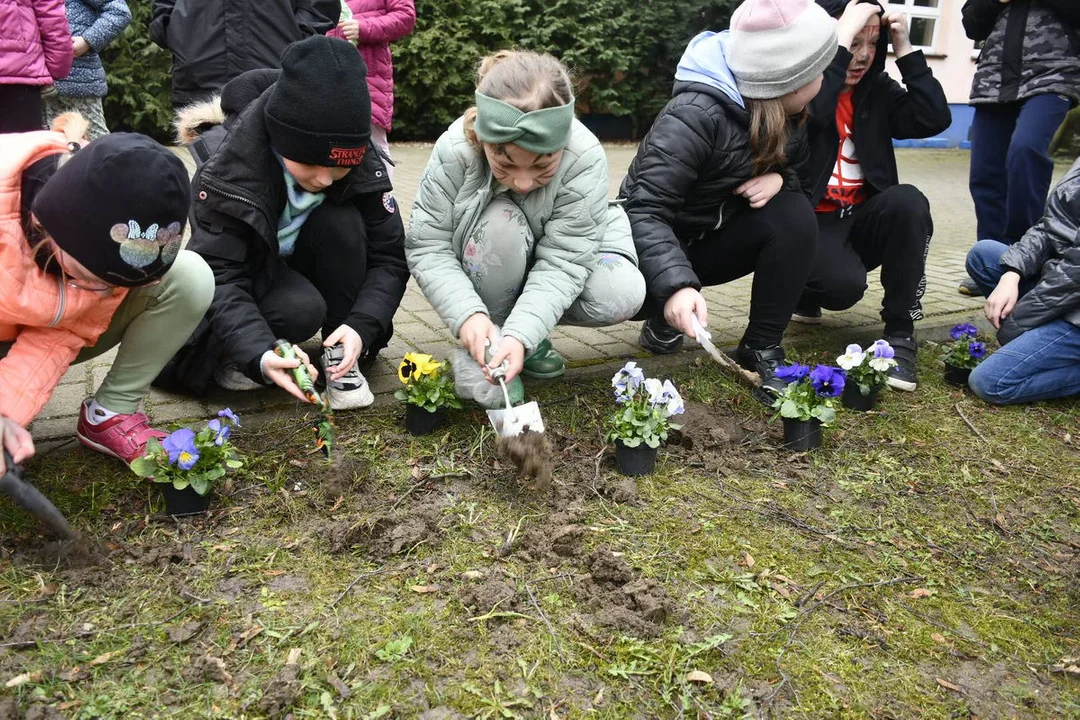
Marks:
<point>294,214</point>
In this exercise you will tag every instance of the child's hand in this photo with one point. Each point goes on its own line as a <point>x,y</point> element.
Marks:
<point>352,345</point>
<point>761,189</point>
<point>474,332</point>
<point>513,352</point>
<point>680,306</point>
<point>896,25</point>
<point>276,369</point>
<point>16,440</point>
<point>856,16</point>
<point>351,29</point>
<point>1002,301</point>
<point>80,46</point>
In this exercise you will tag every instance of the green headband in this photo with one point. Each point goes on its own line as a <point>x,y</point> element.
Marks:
<point>540,131</point>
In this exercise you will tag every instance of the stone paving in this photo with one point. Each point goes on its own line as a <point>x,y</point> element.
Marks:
<point>940,174</point>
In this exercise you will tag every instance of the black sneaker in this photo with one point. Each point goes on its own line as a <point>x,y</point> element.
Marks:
<point>658,337</point>
<point>764,362</point>
<point>807,314</point>
<point>903,376</point>
<point>970,288</point>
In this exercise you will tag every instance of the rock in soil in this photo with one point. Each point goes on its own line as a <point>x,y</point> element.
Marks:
<point>530,453</point>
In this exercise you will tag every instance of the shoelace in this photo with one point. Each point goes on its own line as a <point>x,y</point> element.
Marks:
<point>332,356</point>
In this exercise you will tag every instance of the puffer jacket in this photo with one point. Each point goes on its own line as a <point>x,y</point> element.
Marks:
<point>214,41</point>
<point>35,42</point>
<point>1032,47</point>
<point>239,194</point>
<point>47,321</point>
<point>570,218</point>
<point>883,110</point>
<point>381,23</point>
<point>1049,252</point>
<point>680,185</point>
<point>98,22</point>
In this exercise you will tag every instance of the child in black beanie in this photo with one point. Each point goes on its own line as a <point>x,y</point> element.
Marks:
<point>294,214</point>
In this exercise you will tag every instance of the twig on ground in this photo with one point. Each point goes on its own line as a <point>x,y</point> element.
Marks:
<point>969,423</point>
<point>408,492</point>
<point>195,598</point>
<point>544,618</point>
<point>350,586</point>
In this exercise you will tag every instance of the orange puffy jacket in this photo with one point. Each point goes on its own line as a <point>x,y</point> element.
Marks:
<point>48,321</point>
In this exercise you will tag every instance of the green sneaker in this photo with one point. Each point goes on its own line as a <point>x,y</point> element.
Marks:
<point>544,363</point>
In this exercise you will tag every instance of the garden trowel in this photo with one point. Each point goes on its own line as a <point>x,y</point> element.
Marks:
<point>752,380</point>
<point>513,420</point>
<point>30,498</point>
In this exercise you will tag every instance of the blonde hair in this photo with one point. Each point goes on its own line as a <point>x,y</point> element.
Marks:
<point>769,131</point>
<point>527,80</point>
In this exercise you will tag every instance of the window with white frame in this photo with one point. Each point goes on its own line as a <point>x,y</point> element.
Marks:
<point>923,17</point>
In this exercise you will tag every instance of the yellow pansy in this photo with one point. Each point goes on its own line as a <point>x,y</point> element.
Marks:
<point>415,365</point>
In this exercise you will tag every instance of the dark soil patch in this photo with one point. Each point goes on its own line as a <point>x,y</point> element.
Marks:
<point>282,691</point>
<point>619,601</point>
<point>386,536</point>
<point>344,476</point>
<point>555,540</point>
<point>68,554</point>
<point>492,594</point>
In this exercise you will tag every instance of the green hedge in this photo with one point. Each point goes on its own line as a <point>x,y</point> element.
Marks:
<point>623,55</point>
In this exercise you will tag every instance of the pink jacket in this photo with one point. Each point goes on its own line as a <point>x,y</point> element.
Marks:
<point>35,42</point>
<point>381,23</point>
<point>48,321</point>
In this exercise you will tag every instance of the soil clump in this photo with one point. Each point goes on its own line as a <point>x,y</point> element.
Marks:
<point>530,452</point>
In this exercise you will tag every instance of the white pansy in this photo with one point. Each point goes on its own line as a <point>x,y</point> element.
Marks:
<point>882,364</point>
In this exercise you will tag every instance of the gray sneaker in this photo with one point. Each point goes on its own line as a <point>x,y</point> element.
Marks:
<point>228,376</point>
<point>349,391</point>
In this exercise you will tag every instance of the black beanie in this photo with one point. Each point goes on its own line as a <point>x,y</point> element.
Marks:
<point>118,206</point>
<point>319,112</point>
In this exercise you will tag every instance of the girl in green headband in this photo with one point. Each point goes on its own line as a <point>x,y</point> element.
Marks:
<point>512,225</point>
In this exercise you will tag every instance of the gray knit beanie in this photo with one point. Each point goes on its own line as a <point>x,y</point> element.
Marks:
<point>778,46</point>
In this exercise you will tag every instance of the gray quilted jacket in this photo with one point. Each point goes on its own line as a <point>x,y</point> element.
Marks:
<point>1050,252</point>
<point>570,218</point>
<point>1032,47</point>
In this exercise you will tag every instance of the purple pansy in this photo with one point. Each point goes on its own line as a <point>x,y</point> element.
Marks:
<point>963,330</point>
<point>626,381</point>
<point>827,381</point>
<point>977,349</point>
<point>882,349</point>
<point>221,431</point>
<point>180,445</point>
<point>792,373</point>
<point>230,416</point>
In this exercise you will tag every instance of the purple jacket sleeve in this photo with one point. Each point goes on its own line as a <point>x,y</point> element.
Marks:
<point>399,20</point>
<point>55,37</point>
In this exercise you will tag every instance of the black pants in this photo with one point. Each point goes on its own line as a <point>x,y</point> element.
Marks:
<point>891,230</point>
<point>776,243</point>
<point>21,108</point>
<point>315,287</point>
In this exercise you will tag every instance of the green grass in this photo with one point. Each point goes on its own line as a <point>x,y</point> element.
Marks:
<point>906,568</point>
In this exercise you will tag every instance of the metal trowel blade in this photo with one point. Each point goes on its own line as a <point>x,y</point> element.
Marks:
<point>510,422</point>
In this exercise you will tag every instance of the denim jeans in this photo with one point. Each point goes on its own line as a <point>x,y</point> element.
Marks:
<point>1041,364</point>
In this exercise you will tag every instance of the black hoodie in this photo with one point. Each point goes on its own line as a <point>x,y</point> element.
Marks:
<point>883,110</point>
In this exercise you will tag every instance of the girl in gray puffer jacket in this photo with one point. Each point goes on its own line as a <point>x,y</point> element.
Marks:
<point>512,224</point>
<point>94,24</point>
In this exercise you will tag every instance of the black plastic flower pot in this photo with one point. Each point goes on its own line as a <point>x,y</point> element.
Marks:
<point>635,461</point>
<point>183,502</point>
<point>853,399</point>
<point>419,421</point>
<point>802,434</point>
<point>957,376</point>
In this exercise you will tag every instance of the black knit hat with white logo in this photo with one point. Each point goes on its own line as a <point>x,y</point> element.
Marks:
<point>118,206</point>
<point>319,112</point>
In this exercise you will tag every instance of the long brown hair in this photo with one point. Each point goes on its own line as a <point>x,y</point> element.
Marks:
<point>527,80</point>
<point>769,131</point>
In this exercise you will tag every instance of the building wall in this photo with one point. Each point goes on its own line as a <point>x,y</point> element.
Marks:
<point>952,59</point>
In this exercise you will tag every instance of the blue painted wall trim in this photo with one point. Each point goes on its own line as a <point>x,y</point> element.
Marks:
<point>958,135</point>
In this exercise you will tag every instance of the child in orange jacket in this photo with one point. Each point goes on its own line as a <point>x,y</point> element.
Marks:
<point>90,258</point>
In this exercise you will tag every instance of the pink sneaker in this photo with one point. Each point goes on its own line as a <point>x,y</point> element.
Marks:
<point>122,436</point>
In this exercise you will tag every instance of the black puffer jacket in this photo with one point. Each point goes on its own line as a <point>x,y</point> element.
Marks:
<point>680,184</point>
<point>883,110</point>
<point>238,198</point>
<point>1032,47</point>
<point>1050,252</point>
<point>213,41</point>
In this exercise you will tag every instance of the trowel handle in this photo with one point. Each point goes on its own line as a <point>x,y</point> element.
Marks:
<point>10,467</point>
<point>497,373</point>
